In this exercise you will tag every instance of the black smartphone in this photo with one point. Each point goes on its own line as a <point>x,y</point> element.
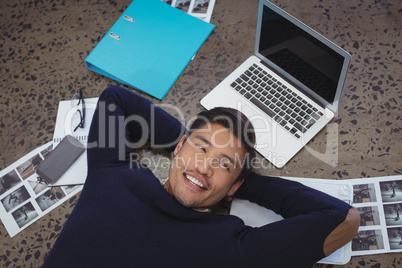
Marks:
<point>60,159</point>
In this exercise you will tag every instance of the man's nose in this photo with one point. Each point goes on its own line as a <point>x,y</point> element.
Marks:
<point>204,166</point>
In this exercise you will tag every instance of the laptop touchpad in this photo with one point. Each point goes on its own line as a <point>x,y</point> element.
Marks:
<point>262,124</point>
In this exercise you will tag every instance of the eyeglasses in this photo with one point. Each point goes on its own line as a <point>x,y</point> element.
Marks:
<point>78,119</point>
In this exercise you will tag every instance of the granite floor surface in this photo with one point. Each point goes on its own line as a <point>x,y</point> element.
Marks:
<point>43,44</point>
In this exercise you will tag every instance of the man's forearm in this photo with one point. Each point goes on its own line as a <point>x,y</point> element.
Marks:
<point>287,198</point>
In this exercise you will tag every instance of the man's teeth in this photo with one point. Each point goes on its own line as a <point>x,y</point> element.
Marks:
<point>195,181</point>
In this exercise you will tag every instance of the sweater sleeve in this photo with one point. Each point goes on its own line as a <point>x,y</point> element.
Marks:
<point>124,121</point>
<point>309,217</point>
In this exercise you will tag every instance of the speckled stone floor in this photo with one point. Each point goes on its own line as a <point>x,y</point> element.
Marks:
<point>43,44</point>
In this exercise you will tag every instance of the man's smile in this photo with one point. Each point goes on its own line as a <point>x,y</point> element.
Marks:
<point>194,182</point>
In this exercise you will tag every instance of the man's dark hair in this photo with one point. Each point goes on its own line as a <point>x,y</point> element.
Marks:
<point>238,124</point>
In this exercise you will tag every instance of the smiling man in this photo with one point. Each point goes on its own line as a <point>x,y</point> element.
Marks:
<point>206,167</point>
<point>126,218</point>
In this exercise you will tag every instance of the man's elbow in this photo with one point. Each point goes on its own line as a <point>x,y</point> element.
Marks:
<point>344,233</point>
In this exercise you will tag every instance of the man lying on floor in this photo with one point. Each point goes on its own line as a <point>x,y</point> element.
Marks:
<point>126,218</point>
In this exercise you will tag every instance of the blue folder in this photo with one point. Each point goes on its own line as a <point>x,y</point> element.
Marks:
<point>149,46</point>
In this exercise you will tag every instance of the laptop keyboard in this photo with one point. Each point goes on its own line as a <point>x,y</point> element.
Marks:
<point>278,101</point>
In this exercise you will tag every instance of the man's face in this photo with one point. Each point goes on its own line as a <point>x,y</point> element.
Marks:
<point>206,166</point>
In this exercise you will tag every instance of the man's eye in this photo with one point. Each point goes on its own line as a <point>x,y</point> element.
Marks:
<point>226,166</point>
<point>202,148</point>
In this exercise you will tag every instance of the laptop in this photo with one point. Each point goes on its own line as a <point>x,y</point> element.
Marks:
<point>289,89</point>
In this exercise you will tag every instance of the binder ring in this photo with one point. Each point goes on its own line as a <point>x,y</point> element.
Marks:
<point>130,19</point>
<point>115,36</point>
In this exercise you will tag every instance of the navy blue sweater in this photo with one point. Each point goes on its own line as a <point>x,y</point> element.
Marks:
<point>125,218</point>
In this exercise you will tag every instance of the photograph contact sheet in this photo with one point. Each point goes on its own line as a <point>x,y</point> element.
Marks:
<point>24,196</point>
<point>201,9</point>
<point>379,202</point>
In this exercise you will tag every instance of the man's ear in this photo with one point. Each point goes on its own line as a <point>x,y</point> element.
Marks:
<point>180,144</point>
<point>236,185</point>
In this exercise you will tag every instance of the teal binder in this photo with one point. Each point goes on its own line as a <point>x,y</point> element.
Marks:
<point>149,46</point>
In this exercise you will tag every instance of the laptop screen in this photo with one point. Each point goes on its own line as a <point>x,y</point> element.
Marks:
<point>309,60</point>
